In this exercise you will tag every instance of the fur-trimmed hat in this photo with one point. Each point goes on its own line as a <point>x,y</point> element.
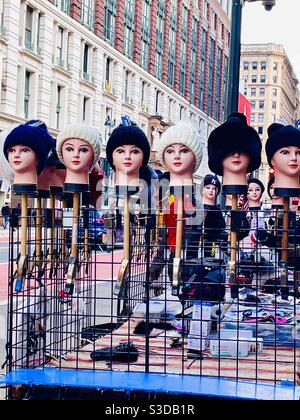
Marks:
<point>212,180</point>
<point>281,136</point>
<point>128,135</point>
<point>182,133</point>
<point>234,135</point>
<point>83,132</point>
<point>258,182</point>
<point>33,134</point>
<point>53,159</point>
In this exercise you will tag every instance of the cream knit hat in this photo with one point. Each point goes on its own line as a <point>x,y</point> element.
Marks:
<point>182,133</point>
<point>82,132</point>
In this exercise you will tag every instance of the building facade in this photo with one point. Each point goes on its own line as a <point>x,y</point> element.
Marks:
<point>93,61</point>
<point>270,84</point>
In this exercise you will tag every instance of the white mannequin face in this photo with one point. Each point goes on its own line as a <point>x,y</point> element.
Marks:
<point>78,155</point>
<point>287,161</point>
<point>128,159</point>
<point>179,159</point>
<point>210,192</point>
<point>22,158</point>
<point>254,192</point>
<point>236,163</point>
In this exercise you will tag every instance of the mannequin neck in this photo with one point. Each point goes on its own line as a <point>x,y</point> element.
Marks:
<point>77,177</point>
<point>284,181</point>
<point>278,201</point>
<point>230,178</point>
<point>124,179</point>
<point>208,202</point>
<point>254,204</point>
<point>181,180</point>
<point>29,177</point>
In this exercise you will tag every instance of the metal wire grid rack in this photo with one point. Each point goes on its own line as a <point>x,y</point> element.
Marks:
<point>204,332</point>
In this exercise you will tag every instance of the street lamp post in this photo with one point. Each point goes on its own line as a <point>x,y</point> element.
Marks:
<point>235,51</point>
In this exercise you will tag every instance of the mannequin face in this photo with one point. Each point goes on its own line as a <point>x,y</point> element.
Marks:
<point>78,155</point>
<point>287,161</point>
<point>128,159</point>
<point>236,163</point>
<point>179,159</point>
<point>254,192</point>
<point>210,192</point>
<point>22,158</point>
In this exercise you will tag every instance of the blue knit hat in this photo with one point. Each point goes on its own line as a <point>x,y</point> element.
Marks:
<point>35,135</point>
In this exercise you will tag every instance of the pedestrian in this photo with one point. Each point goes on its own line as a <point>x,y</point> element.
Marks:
<point>5,211</point>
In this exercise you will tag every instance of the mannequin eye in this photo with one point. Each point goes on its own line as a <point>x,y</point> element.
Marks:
<point>11,150</point>
<point>135,151</point>
<point>25,150</point>
<point>69,149</point>
<point>119,151</point>
<point>185,150</point>
<point>169,151</point>
<point>84,149</point>
<point>285,152</point>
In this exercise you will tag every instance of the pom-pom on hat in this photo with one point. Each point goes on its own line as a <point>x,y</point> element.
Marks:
<point>83,132</point>
<point>127,135</point>
<point>182,133</point>
<point>33,134</point>
<point>212,180</point>
<point>234,135</point>
<point>281,136</point>
<point>258,182</point>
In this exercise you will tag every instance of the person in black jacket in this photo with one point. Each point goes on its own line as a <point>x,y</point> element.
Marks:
<point>5,211</point>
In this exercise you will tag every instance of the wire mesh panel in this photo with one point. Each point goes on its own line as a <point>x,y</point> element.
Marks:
<point>222,321</point>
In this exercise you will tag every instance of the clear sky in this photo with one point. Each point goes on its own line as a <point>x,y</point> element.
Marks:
<point>281,25</point>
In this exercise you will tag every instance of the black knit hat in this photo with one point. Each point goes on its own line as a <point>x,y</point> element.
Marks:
<point>258,182</point>
<point>125,135</point>
<point>35,135</point>
<point>212,180</point>
<point>281,136</point>
<point>234,135</point>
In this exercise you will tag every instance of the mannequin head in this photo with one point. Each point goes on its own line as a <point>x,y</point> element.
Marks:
<point>276,201</point>
<point>78,147</point>
<point>234,149</point>
<point>180,151</point>
<point>128,151</point>
<point>27,148</point>
<point>211,189</point>
<point>255,192</point>
<point>283,153</point>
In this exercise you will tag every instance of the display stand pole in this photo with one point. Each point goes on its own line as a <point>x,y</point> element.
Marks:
<point>23,260</point>
<point>121,279</point>
<point>285,251</point>
<point>73,263</point>
<point>177,263</point>
<point>233,253</point>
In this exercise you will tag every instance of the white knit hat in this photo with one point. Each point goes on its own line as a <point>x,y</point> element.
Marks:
<point>82,132</point>
<point>182,133</point>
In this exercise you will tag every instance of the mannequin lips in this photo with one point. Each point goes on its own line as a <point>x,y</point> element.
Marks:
<point>177,164</point>
<point>127,164</point>
<point>236,162</point>
<point>76,162</point>
<point>17,162</point>
<point>293,166</point>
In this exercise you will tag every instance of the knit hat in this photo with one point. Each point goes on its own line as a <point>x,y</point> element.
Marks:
<point>83,132</point>
<point>234,135</point>
<point>281,136</point>
<point>258,182</point>
<point>212,180</point>
<point>181,133</point>
<point>33,134</point>
<point>127,135</point>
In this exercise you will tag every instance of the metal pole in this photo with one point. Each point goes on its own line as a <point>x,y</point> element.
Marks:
<point>235,52</point>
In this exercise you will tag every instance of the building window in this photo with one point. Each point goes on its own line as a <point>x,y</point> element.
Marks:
<point>218,83</point>
<point>86,62</point>
<point>172,42</point>
<point>246,65</point>
<point>274,91</point>
<point>88,13</point>
<point>27,94</point>
<point>202,69</point>
<point>261,117</point>
<point>261,104</point>
<point>129,28</point>
<point>245,91</point>
<point>254,78</point>
<point>145,33</point>
<point>274,105</point>
<point>85,109</point>
<point>275,66</point>
<point>29,29</point>
<point>184,31</point>
<point>127,86</point>
<point>263,78</point>
<point>252,118</point>
<point>58,106</point>
<point>193,59</point>
<point>254,65</point>
<point>157,103</point>
<point>159,38</point>
<point>224,86</point>
<point>110,11</point>
<point>64,6</point>
<point>253,104</point>
<point>60,46</point>
<point>275,79</point>
<point>210,74</point>
<point>262,91</point>
<point>260,130</point>
<point>253,91</point>
<point>263,65</point>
